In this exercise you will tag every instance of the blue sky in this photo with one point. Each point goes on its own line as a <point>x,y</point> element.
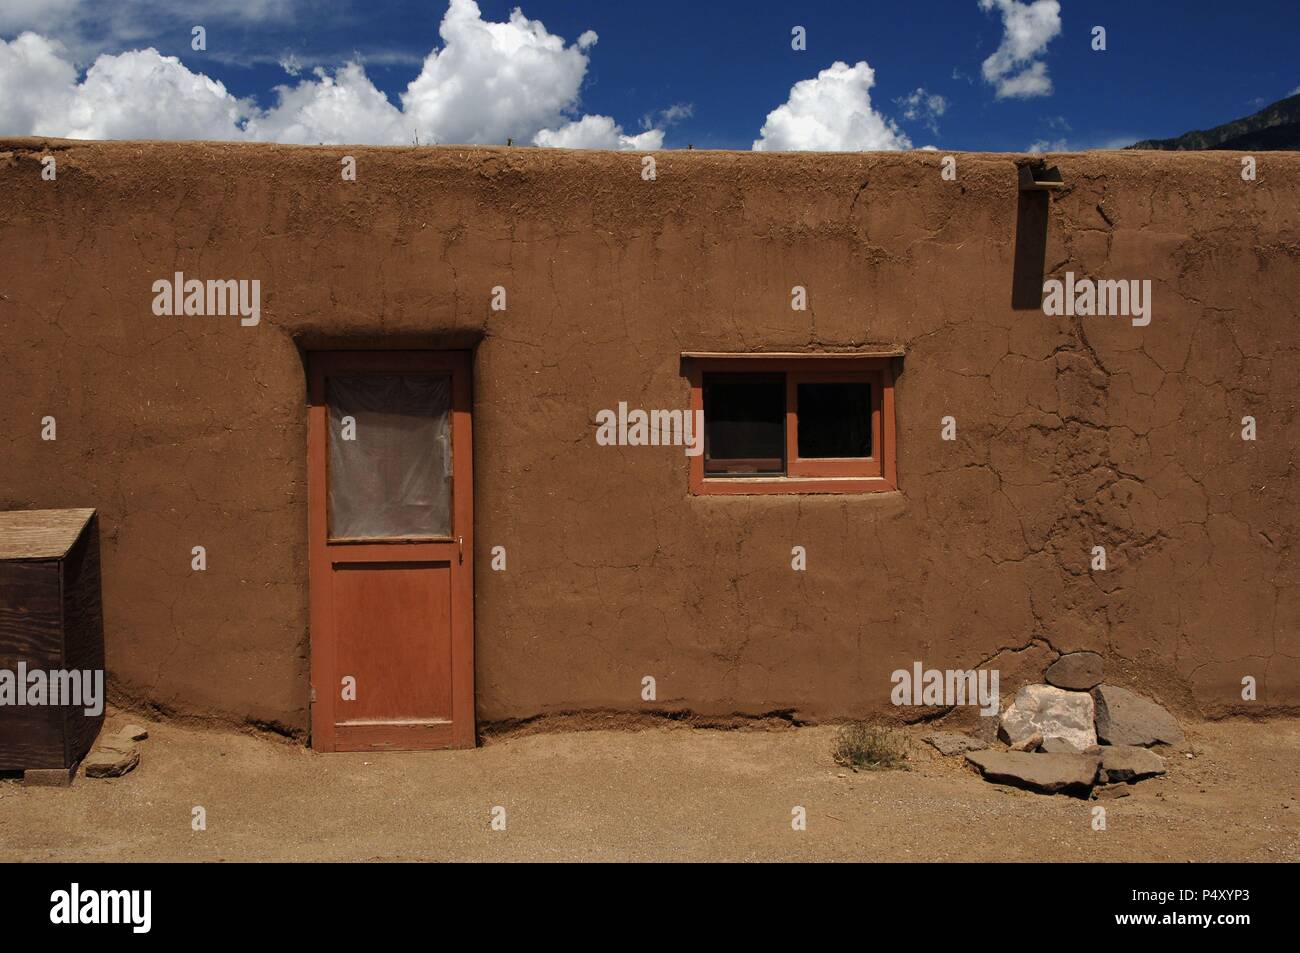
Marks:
<point>1168,67</point>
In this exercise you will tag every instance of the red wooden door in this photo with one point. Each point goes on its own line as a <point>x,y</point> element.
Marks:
<point>391,539</point>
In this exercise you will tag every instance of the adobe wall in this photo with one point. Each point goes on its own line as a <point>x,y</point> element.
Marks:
<point>1072,432</point>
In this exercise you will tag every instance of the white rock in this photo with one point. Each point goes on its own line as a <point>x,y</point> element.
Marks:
<point>1063,718</point>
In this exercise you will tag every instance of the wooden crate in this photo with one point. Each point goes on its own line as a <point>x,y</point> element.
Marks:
<point>50,619</point>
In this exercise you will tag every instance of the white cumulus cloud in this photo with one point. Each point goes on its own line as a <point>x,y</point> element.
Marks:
<point>35,82</point>
<point>138,95</point>
<point>487,83</point>
<point>181,104</point>
<point>597,132</point>
<point>343,107</point>
<point>493,81</point>
<point>1015,67</point>
<point>831,113</point>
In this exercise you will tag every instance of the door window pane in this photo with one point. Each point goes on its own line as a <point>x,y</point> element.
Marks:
<point>744,423</point>
<point>390,464</point>
<point>834,420</point>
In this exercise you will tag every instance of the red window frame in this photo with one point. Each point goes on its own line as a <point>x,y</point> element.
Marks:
<point>874,474</point>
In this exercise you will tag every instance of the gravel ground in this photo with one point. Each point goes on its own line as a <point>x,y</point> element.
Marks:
<point>670,793</point>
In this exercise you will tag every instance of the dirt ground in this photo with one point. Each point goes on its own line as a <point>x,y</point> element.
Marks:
<point>670,793</point>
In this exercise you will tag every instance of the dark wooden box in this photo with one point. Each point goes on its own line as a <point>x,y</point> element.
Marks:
<point>50,620</point>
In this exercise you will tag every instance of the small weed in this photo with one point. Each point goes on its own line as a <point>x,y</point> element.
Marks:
<point>865,746</point>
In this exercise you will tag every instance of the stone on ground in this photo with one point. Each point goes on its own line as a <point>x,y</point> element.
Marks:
<point>111,757</point>
<point>949,743</point>
<point>1077,671</point>
<point>1129,763</point>
<point>1124,718</point>
<point>1110,793</point>
<point>1065,718</point>
<point>1032,743</point>
<point>1051,773</point>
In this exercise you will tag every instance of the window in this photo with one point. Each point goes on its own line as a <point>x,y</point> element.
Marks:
<point>744,423</point>
<point>793,424</point>
<point>389,460</point>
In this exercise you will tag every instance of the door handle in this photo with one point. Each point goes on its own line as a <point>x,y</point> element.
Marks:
<point>460,546</point>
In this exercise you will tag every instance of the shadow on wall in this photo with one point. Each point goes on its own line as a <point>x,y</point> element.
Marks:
<point>1031,251</point>
<point>1037,182</point>
<point>309,341</point>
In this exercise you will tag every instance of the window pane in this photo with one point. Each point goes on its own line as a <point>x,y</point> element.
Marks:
<point>834,420</point>
<point>744,423</point>
<point>390,471</point>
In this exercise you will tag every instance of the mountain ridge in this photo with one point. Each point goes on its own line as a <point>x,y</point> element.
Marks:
<point>1275,127</point>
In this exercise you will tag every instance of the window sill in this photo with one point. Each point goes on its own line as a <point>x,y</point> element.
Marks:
<point>790,486</point>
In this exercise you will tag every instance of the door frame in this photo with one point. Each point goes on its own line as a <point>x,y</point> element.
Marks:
<point>458,548</point>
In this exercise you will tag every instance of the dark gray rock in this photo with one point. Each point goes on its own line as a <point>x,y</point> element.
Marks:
<point>1124,718</point>
<point>949,743</point>
<point>1051,773</point>
<point>1129,763</point>
<point>1077,671</point>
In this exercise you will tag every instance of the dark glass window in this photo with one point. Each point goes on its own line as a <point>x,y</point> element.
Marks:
<point>744,423</point>
<point>834,420</point>
<point>788,423</point>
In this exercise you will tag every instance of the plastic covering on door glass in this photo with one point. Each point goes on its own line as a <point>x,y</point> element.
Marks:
<point>390,466</point>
